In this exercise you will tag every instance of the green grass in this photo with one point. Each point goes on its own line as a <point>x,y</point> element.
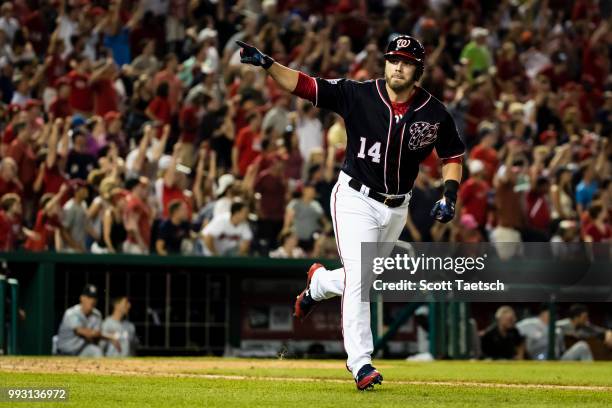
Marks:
<point>509,372</point>
<point>95,390</point>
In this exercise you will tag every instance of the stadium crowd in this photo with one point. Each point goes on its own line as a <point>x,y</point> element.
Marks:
<point>131,126</point>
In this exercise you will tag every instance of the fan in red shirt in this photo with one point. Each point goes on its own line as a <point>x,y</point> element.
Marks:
<point>248,144</point>
<point>485,151</point>
<point>10,221</point>
<point>480,107</point>
<point>38,31</point>
<point>598,230</point>
<point>55,64</point>
<point>272,186</point>
<point>33,115</point>
<point>21,150</point>
<point>473,193</point>
<point>159,108</point>
<point>50,177</point>
<point>104,94</point>
<point>16,116</point>
<point>173,185</point>
<point>168,75</point>
<point>47,222</point>
<point>114,132</point>
<point>60,107</point>
<point>138,217</point>
<point>9,182</point>
<point>189,121</point>
<point>538,205</point>
<point>80,90</point>
<point>557,72</point>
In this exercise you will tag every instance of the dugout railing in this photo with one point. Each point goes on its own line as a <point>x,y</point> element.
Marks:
<point>181,305</point>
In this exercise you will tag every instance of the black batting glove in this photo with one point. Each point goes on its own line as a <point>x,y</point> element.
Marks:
<point>444,209</point>
<point>251,55</point>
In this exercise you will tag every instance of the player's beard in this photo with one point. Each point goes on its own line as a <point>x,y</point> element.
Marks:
<point>399,86</point>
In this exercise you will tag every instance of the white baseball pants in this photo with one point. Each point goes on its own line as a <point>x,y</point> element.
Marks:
<point>356,219</point>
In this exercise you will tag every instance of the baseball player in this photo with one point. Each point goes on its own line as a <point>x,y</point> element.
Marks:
<point>392,126</point>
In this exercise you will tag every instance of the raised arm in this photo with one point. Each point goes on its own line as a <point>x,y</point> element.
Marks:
<point>286,78</point>
<point>142,148</point>
<point>55,200</point>
<point>107,225</point>
<point>170,175</point>
<point>158,150</point>
<point>63,147</point>
<point>136,16</point>
<point>53,141</point>
<point>114,24</point>
<point>199,177</point>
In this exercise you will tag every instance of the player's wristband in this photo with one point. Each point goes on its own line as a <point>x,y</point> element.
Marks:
<point>450,190</point>
<point>267,61</point>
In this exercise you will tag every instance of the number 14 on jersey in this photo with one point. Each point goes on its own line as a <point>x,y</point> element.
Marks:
<point>373,151</point>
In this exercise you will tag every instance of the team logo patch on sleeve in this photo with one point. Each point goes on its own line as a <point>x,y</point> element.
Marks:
<point>422,134</point>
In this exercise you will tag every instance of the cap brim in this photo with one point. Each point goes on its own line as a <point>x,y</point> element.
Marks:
<point>405,55</point>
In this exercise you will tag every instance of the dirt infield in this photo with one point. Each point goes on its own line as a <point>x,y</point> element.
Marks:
<point>186,368</point>
<point>144,366</point>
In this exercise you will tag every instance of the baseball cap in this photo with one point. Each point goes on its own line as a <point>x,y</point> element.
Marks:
<point>112,115</point>
<point>526,36</point>
<point>516,107</point>
<point>547,135</point>
<point>96,11</point>
<point>78,120</point>
<point>206,34</point>
<point>78,183</point>
<point>14,108</point>
<point>485,128</point>
<point>133,182</point>
<point>567,224</point>
<point>164,162</point>
<point>90,291</point>
<point>62,81</point>
<point>475,166</point>
<point>479,32</point>
<point>407,47</point>
<point>468,221</point>
<point>31,103</point>
<point>117,194</point>
<point>225,181</point>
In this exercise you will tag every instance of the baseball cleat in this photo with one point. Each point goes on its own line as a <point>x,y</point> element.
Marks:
<point>367,377</point>
<point>304,303</point>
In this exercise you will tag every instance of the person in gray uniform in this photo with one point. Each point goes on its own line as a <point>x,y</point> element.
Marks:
<point>535,331</point>
<point>118,327</point>
<point>79,331</point>
<point>579,327</point>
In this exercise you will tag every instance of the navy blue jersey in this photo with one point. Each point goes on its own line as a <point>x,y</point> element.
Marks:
<point>384,152</point>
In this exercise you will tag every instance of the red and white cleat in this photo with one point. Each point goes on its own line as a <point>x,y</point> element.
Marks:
<point>304,303</point>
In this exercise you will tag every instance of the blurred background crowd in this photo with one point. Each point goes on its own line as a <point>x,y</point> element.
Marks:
<point>131,126</point>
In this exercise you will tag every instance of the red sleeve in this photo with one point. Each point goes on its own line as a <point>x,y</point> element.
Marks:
<point>7,137</point>
<point>15,151</point>
<point>154,106</point>
<point>306,87</point>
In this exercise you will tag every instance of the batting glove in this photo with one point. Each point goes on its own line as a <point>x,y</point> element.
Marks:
<point>444,209</point>
<point>251,55</point>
